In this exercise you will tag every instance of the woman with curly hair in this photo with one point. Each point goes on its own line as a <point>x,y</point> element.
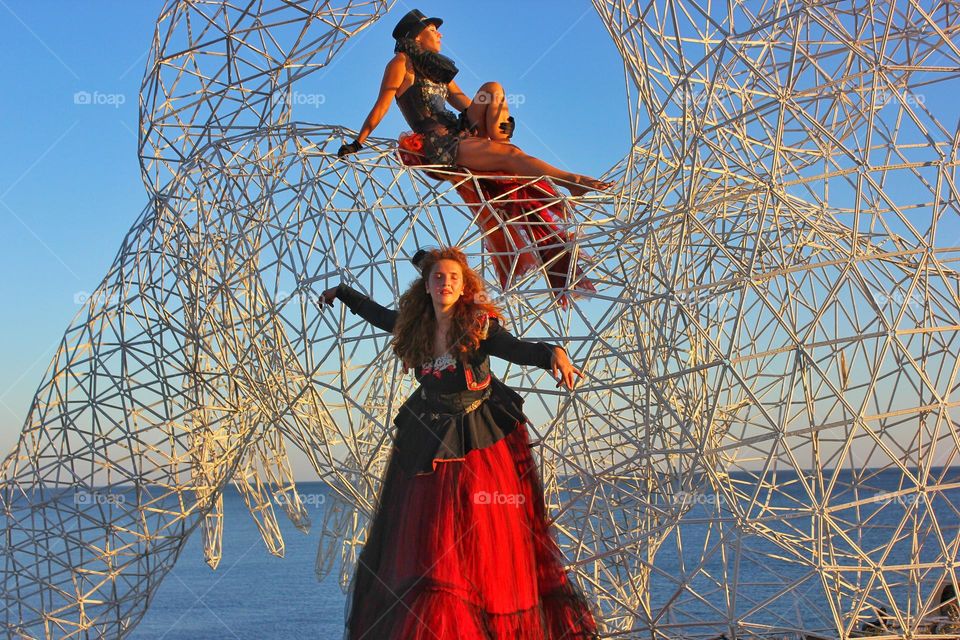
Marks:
<point>460,545</point>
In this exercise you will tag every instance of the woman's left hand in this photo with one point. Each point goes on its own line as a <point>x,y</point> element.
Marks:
<point>563,369</point>
<point>508,126</point>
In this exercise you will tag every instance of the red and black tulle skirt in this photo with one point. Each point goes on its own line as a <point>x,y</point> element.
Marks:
<point>465,552</point>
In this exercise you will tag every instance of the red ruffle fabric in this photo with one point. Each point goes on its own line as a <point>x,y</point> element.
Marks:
<point>466,553</point>
<point>522,215</point>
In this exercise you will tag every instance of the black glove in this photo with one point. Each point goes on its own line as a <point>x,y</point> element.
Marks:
<point>508,126</point>
<point>349,148</point>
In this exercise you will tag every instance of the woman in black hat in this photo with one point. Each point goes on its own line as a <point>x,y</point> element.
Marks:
<point>460,546</point>
<point>421,80</point>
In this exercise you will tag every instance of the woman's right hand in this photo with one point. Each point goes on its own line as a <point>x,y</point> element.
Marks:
<point>327,297</point>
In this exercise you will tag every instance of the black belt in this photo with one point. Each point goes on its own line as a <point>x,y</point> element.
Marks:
<point>437,399</point>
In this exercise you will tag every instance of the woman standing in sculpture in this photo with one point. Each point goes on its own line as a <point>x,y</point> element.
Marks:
<point>459,545</point>
<point>421,81</point>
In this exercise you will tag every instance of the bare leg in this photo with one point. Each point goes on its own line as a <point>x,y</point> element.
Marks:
<point>488,110</point>
<point>483,154</point>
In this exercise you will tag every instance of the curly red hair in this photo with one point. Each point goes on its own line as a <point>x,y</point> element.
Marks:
<point>416,324</point>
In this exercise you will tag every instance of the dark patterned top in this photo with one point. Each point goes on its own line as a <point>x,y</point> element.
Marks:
<point>423,105</point>
<point>459,406</point>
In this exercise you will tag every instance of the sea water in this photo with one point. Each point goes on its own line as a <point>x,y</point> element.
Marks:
<point>252,594</point>
<point>255,595</point>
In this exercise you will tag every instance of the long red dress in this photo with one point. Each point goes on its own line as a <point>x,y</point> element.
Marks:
<point>460,545</point>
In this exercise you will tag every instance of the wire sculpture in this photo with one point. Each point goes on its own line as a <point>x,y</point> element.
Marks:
<point>765,442</point>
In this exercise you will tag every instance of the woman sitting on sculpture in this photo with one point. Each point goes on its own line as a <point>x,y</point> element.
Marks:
<point>421,80</point>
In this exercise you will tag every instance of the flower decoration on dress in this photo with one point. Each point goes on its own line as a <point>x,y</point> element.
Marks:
<point>410,148</point>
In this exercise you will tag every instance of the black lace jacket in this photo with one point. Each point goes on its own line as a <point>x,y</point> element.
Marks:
<point>459,406</point>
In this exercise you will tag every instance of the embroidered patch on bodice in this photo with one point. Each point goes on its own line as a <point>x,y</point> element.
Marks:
<point>438,365</point>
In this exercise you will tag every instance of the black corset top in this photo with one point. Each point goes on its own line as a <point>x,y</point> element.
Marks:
<point>423,106</point>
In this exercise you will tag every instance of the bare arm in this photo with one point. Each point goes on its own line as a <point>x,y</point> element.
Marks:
<point>457,99</point>
<point>392,78</point>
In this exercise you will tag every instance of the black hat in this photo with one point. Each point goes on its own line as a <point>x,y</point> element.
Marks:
<point>417,259</point>
<point>413,23</point>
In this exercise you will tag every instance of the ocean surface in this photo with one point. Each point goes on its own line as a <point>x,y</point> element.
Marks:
<point>257,596</point>
<point>252,595</point>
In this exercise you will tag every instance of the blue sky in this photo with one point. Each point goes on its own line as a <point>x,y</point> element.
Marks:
<point>70,183</point>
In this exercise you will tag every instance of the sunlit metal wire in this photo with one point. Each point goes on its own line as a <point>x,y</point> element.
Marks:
<point>765,441</point>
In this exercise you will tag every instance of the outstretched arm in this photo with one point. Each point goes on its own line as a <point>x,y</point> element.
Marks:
<point>503,344</point>
<point>392,78</point>
<point>359,304</point>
